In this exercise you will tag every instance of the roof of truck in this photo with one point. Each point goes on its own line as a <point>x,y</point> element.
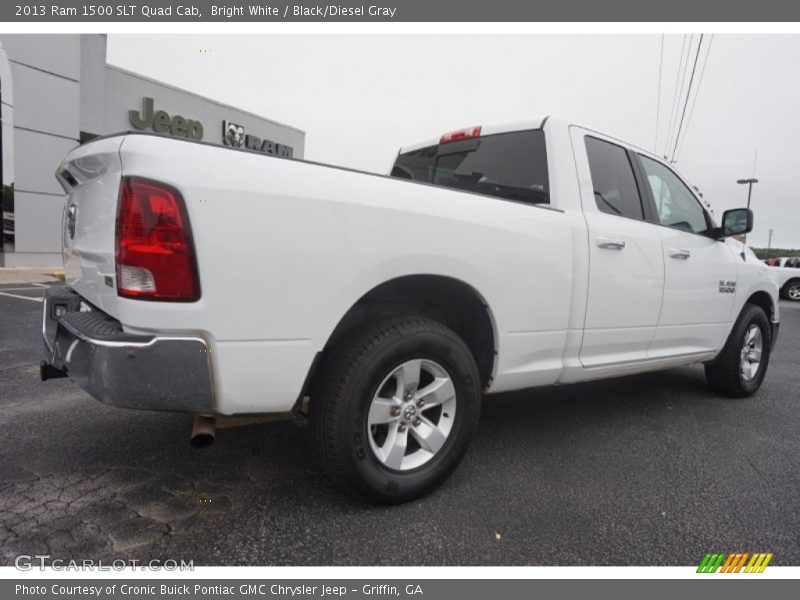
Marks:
<point>535,123</point>
<point>522,125</point>
<point>491,129</point>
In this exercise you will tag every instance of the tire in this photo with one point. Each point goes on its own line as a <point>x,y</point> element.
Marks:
<point>354,386</point>
<point>791,290</point>
<point>728,374</point>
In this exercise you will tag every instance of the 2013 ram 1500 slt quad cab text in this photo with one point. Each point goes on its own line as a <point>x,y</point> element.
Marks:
<point>221,282</point>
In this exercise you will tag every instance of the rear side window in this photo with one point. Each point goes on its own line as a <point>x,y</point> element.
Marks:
<point>512,166</point>
<point>615,189</point>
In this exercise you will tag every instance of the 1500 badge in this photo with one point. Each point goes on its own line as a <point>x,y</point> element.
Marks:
<point>727,287</point>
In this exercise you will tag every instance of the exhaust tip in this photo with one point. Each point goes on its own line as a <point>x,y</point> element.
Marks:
<point>204,431</point>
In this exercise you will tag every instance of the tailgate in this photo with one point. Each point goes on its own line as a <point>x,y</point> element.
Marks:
<point>90,174</point>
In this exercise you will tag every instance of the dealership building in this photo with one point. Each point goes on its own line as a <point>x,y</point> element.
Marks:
<point>56,91</point>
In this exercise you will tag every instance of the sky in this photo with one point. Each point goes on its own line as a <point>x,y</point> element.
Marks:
<point>360,97</point>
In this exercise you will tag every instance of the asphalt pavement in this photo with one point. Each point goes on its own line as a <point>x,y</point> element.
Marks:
<point>647,470</point>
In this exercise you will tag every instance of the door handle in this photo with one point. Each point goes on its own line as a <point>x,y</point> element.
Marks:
<point>679,253</point>
<point>610,243</point>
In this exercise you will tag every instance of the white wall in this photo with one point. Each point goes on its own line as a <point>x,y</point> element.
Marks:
<point>45,70</point>
<point>124,91</point>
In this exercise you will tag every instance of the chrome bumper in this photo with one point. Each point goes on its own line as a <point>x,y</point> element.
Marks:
<point>148,372</point>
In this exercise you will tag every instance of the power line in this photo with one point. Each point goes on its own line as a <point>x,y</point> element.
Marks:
<point>697,93</point>
<point>674,110</point>
<point>678,99</point>
<point>674,96</point>
<point>658,98</point>
<point>688,93</point>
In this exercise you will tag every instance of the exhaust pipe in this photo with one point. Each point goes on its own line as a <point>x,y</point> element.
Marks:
<point>203,431</point>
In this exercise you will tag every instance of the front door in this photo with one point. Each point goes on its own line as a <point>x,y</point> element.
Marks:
<point>700,273</point>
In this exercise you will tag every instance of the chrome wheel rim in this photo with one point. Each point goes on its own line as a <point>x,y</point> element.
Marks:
<point>411,415</point>
<point>752,348</point>
<point>794,292</point>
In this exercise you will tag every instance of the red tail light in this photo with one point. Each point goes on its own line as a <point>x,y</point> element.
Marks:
<point>155,255</point>
<point>461,134</point>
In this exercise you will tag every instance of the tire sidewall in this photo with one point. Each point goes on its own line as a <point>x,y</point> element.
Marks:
<point>386,484</point>
<point>754,316</point>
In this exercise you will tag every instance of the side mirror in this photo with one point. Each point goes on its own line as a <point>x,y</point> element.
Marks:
<point>737,221</point>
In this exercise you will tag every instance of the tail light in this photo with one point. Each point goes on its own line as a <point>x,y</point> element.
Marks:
<point>461,134</point>
<point>155,256</point>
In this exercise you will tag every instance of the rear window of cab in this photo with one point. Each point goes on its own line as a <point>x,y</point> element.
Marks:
<point>512,166</point>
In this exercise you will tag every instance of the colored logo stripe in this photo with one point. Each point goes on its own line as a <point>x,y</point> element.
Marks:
<point>734,562</point>
<point>711,562</point>
<point>758,563</point>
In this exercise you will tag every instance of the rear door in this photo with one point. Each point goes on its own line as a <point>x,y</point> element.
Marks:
<point>626,266</point>
<point>700,273</point>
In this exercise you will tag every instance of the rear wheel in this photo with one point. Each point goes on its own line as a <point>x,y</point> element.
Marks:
<point>394,408</point>
<point>791,291</point>
<point>741,366</point>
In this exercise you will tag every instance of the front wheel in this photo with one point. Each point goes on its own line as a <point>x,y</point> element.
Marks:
<point>394,408</point>
<point>741,366</point>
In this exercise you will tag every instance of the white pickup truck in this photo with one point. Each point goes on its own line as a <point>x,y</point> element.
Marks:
<point>787,270</point>
<point>221,282</point>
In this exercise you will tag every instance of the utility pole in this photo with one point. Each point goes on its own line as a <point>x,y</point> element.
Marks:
<point>769,243</point>
<point>749,183</point>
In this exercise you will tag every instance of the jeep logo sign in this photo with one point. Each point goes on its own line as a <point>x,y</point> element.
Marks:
<point>234,135</point>
<point>161,122</point>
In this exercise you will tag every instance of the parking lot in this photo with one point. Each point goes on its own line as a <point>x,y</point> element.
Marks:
<point>646,470</point>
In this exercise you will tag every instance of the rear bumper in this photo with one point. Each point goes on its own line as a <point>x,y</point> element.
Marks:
<point>148,372</point>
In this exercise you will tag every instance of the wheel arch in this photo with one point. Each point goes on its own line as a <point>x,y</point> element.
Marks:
<point>764,300</point>
<point>447,300</point>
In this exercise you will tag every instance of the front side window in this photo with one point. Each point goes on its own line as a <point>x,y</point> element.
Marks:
<point>615,189</point>
<point>676,206</point>
<point>507,165</point>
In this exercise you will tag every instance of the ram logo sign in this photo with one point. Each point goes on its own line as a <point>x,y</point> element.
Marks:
<point>234,135</point>
<point>734,562</point>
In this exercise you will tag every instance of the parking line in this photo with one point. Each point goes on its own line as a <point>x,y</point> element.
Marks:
<point>22,297</point>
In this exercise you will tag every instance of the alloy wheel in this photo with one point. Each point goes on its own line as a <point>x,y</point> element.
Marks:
<point>752,348</point>
<point>411,415</point>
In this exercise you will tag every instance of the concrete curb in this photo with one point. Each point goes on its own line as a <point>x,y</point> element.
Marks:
<point>25,275</point>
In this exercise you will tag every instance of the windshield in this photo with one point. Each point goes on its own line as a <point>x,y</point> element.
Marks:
<point>512,166</point>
